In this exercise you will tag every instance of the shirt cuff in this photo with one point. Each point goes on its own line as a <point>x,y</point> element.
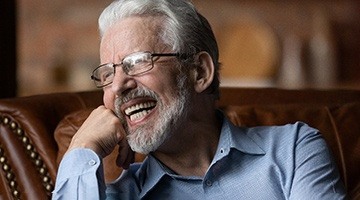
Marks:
<point>78,162</point>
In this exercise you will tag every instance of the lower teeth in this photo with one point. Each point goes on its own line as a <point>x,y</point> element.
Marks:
<point>139,115</point>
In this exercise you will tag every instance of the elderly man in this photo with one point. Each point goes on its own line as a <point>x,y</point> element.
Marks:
<point>160,82</point>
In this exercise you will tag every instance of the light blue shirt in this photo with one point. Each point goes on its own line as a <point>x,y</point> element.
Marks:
<point>273,162</point>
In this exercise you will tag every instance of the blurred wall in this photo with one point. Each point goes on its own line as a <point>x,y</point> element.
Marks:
<point>288,44</point>
<point>292,44</point>
<point>58,44</point>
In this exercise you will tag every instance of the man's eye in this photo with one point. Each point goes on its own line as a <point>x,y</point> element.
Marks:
<point>127,66</point>
<point>106,75</point>
<point>138,61</point>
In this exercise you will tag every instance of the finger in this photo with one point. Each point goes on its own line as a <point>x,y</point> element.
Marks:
<point>125,156</point>
<point>129,159</point>
<point>125,161</point>
<point>100,132</point>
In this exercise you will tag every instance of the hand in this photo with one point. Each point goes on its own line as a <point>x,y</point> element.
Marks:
<point>101,132</point>
<point>126,156</point>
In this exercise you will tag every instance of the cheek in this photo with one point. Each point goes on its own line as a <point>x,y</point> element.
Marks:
<point>109,99</point>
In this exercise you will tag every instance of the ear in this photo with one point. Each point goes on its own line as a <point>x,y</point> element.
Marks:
<point>204,72</point>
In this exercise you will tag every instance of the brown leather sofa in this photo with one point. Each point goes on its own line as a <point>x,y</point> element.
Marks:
<point>35,130</point>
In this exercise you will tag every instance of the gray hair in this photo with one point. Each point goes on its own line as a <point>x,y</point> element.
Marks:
<point>184,29</point>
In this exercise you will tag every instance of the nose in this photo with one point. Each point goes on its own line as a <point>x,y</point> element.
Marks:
<point>122,82</point>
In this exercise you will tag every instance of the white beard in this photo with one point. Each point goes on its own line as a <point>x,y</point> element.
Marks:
<point>149,137</point>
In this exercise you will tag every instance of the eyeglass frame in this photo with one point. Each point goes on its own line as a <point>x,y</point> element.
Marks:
<point>114,65</point>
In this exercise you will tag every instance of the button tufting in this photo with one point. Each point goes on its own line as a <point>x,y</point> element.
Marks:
<point>32,153</point>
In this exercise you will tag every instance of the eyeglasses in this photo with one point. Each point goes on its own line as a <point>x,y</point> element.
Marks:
<point>132,65</point>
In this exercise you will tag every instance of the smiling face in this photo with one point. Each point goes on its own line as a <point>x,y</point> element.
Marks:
<point>150,105</point>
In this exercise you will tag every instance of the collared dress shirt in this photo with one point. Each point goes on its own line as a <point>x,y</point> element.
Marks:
<point>260,163</point>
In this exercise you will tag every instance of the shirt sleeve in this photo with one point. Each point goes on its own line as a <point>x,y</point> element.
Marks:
<point>316,175</point>
<point>80,176</point>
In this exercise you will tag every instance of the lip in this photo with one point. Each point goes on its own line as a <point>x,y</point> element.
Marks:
<point>147,105</point>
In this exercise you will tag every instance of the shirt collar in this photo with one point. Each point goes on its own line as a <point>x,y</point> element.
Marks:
<point>234,137</point>
<point>151,167</point>
<point>231,137</point>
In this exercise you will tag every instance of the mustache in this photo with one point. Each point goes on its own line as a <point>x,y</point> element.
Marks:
<point>139,92</point>
<point>136,93</point>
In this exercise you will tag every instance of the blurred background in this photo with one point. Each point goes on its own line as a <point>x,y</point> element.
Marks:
<point>52,46</point>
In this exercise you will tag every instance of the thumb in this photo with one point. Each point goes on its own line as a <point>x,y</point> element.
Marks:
<point>125,155</point>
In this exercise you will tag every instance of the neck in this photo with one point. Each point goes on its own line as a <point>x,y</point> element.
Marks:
<point>189,152</point>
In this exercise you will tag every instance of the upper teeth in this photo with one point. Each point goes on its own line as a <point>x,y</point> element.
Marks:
<point>130,110</point>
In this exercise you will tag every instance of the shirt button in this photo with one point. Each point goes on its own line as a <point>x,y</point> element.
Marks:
<point>222,150</point>
<point>92,162</point>
<point>208,183</point>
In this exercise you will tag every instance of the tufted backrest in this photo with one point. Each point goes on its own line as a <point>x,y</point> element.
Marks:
<point>35,131</point>
<point>28,150</point>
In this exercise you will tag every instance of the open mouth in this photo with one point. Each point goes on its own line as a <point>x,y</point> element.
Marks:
<point>140,110</point>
